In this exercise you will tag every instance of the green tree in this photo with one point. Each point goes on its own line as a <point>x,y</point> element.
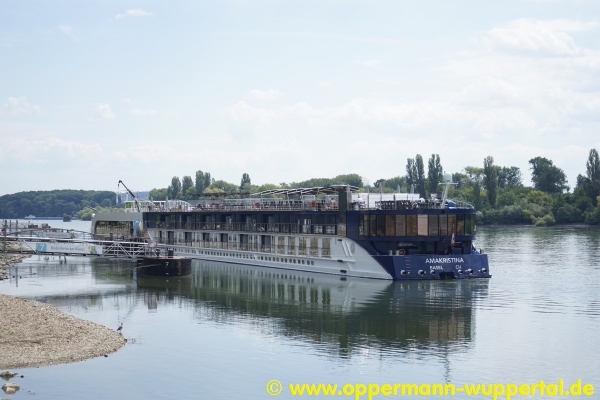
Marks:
<point>435,173</point>
<point>203,180</point>
<point>411,173</point>
<point>546,176</point>
<point>591,182</point>
<point>490,180</point>
<point>223,187</point>
<point>186,185</point>
<point>245,181</point>
<point>420,175</point>
<point>509,177</point>
<point>475,174</point>
<point>477,203</point>
<point>593,166</point>
<point>174,189</point>
<point>159,194</point>
<point>347,179</point>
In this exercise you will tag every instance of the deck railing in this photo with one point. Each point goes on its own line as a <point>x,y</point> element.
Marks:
<point>328,229</point>
<point>290,250</point>
<point>315,205</point>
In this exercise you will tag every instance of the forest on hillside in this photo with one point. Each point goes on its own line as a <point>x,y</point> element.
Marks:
<point>53,203</point>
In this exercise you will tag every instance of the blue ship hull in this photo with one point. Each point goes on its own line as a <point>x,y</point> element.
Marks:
<point>430,267</point>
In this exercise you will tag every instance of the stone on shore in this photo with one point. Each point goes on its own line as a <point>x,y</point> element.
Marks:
<point>7,374</point>
<point>36,334</point>
<point>11,387</point>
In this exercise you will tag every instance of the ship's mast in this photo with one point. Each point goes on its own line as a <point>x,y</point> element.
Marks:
<point>447,183</point>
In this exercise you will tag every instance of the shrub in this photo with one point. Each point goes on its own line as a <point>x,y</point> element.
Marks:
<point>539,222</point>
<point>568,213</point>
<point>549,219</point>
<point>592,217</point>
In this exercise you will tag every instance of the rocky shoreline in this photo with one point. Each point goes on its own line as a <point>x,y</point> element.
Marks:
<point>10,259</point>
<point>35,334</point>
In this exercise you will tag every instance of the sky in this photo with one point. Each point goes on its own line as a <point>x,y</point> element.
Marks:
<point>93,92</point>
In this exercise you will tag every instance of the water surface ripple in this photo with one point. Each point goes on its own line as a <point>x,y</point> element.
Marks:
<point>226,330</point>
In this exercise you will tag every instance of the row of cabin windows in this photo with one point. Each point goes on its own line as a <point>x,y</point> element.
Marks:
<point>416,225</point>
<point>243,218</point>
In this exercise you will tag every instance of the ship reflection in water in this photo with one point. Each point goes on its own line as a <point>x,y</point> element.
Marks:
<point>338,316</point>
<point>334,314</point>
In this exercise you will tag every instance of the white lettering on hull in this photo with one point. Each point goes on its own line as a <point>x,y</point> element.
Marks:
<point>444,260</point>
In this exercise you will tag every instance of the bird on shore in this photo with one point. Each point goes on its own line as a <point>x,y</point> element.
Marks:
<point>120,328</point>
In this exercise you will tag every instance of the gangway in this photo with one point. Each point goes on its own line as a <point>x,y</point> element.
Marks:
<point>81,247</point>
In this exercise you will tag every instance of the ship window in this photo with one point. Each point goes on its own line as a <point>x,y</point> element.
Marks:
<point>400,225</point>
<point>411,225</point>
<point>444,224</point>
<point>302,246</point>
<point>363,223</point>
<point>373,225</point>
<point>434,225</point>
<point>451,223</point>
<point>469,224</point>
<point>460,225</point>
<point>390,225</point>
<point>381,225</point>
<point>422,221</point>
<point>326,247</point>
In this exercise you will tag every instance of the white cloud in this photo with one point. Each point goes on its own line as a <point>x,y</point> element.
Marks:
<point>142,113</point>
<point>138,112</point>
<point>370,63</point>
<point>241,112</point>
<point>16,148</point>
<point>127,100</point>
<point>170,114</point>
<point>103,111</point>
<point>324,83</point>
<point>18,106</point>
<point>549,36</point>
<point>66,29</point>
<point>134,13</point>
<point>271,94</point>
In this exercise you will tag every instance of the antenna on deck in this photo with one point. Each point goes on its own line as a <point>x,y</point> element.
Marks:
<point>447,183</point>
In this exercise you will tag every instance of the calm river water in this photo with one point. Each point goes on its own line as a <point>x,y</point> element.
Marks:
<point>226,330</point>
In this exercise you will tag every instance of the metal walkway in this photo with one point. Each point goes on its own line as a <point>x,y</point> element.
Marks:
<point>78,247</point>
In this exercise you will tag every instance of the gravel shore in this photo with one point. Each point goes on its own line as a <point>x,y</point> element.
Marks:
<point>10,259</point>
<point>34,334</point>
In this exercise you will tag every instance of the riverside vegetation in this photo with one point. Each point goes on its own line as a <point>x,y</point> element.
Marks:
<point>496,192</point>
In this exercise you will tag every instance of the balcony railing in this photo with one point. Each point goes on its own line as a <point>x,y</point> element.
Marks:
<point>327,229</point>
<point>292,251</point>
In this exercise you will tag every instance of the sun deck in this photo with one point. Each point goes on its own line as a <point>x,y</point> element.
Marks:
<point>299,199</point>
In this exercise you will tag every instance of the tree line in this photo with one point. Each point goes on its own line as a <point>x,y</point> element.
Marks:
<point>53,203</point>
<point>187,188</point>
<point>496,192</point>
<point>499,196</point>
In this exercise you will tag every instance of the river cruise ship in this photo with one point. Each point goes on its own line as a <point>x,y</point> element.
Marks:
<point>333,230</point>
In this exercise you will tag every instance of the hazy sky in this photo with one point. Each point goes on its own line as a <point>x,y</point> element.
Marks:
<point>96,91</point>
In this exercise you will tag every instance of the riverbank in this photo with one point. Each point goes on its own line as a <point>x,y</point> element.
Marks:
<point>36,334</point>
<point>8,260</point>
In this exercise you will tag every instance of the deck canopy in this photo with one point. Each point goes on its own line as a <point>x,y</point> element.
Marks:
<point>331,189</point>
